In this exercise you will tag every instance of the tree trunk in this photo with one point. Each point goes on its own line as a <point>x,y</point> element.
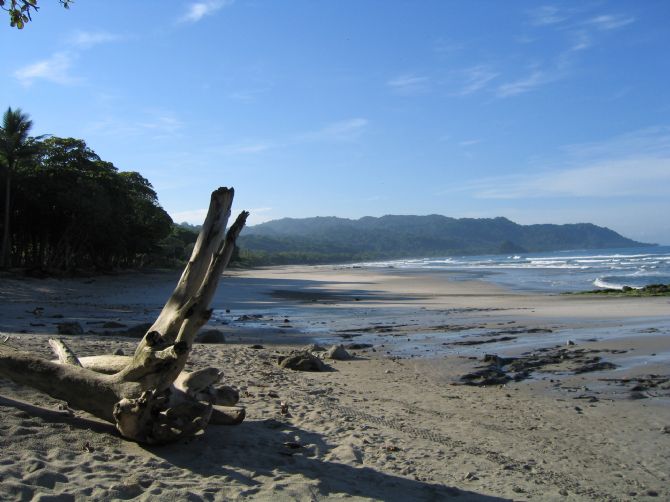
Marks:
<point>147,396</point>
<point>5,251</point>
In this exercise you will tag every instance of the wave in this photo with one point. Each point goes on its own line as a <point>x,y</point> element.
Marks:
<point>602,283</point>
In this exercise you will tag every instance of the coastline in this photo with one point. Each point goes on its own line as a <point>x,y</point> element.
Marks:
<point>389,424</point>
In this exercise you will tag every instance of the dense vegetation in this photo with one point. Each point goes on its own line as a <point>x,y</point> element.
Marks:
<point>323,240</point>
<point>67,209</point>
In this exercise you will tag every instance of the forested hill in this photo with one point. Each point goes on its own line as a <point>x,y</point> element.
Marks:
<point>330,239</point>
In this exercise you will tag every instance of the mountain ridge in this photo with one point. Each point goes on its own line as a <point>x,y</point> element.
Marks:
<point>323,239</point>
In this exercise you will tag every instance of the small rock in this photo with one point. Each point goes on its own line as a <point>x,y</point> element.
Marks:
<point>70,328</point>
<point>666,429</point>
<point>338,353</point>
<point>256,346</point>
<point>358,346</point>
<point>210,336</point>
<point>471,476</point>
<point>137,331</point>
<point>302,361</point>
<point>569,342</point>
<point>119,352</point>
<point>652,493</point>
<point>563,492</point>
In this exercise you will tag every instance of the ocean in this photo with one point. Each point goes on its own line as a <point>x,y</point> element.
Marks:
<point>553,272</point>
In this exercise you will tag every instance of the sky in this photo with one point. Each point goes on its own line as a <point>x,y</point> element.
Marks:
<point>539,112</point>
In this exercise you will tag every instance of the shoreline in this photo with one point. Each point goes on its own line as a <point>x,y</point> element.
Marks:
<point>387,425</point>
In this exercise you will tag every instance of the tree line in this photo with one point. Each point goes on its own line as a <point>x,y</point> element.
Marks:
<point>67,209</point>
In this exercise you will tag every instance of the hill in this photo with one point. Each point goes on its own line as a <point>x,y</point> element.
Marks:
<point>331,239</point>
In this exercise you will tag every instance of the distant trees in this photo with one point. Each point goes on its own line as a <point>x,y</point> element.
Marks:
<point>69,209</point>
<point>16,147</point>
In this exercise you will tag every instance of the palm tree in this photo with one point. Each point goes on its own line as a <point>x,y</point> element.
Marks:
<point>16,146</point>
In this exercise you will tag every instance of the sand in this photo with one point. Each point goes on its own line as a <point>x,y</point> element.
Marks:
<point>391,424</point>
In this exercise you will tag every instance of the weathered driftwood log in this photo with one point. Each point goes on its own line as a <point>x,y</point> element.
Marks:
<point>147,395</point>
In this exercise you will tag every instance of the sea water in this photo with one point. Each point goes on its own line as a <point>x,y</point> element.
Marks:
<point>553,272</point>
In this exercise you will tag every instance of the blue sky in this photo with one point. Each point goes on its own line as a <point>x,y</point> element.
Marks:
<point>540,112</point>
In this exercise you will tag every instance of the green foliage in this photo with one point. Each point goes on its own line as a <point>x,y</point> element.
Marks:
<point>73,210</point>
<point>178,245</point>
<point>20,11</point>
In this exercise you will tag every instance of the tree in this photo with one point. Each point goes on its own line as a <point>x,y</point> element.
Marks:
<point>72,210</point>
<point>16,146</point>
<point>148,396</point>
<point>20,10</point>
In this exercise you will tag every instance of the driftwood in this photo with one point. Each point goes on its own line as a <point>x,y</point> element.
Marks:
<point>148,395</point>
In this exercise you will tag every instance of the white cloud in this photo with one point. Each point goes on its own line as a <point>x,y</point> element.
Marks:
<point>546,15</point>
<point>198,10</point>
<point>87,39</point>
<point>611,21</point>
<point>475,79</point>
<point>526,84</point>
<point>408,84</point>
<point>55,69</point>
<point>344,130</point>
<point>639,176</point>
<point>581,40</point>
<point>633,164</point>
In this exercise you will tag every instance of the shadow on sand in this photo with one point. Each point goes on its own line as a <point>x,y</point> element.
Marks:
<point>257,450</point>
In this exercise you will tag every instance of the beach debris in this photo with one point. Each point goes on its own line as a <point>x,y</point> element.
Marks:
<point>666,429</point>
<point>283,408</point>
<point>88,448</point>
<point>69,328</point>
<point>569,342</point>
<point>470,476</point>
<point>149,396</point>
<point>500,370</point>
<point>301,361</point>
<point>659,384</point>
<point>338,353</point>
<point>210,336</point>
<point>249,317</point>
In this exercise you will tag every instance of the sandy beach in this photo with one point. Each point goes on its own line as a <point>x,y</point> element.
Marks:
<point>571,403</point>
